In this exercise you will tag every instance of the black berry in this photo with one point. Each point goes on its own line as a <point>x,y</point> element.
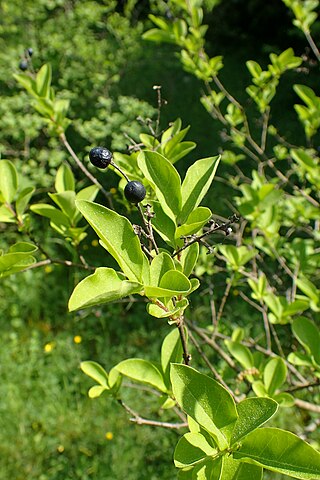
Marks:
<point>100,157</point>
<point>23,65</point>
<point>134,191</point>
<point>30,51</point>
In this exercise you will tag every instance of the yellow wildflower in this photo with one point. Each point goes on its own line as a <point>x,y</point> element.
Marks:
<point>109,436</point>
<point>48,347</point>
<point>77,339</point>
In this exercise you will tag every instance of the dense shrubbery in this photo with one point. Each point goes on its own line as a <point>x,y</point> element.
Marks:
<point>254,324</point>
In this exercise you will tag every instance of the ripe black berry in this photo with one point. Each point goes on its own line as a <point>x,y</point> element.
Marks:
<point>100,157</point>
<point>30,51</point>
<point>134,191</point>
<point>23,65</point>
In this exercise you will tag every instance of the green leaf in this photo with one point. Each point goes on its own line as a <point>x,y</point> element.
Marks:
<point>159,36</point>
<point>161,264</point>
<point>118,237</point>
<point>204,399</point>
<point>96,372</point>
<point>164,179</point>
<point>308,335</point>
<point>196,184</point>
<point>142,371</point>
<point>163,224</point>
<point>171,352</point>
<point>23,200</point>
<point>8,180</point>
<point>64,179</point>
<point>181,150</point>
<point>55,215</point>
<point>241,353</point>
<point>43,80</point>
<point>195,221</point>
<point>208,469</point>
<point>274,375</point>
<point>189,257</point>
<point>172,283</point>
<point>105,285</point>
<point>66,202</point>
<point>280,451</point>
<point>18,258</point>
<point>234,470</point>
<point>96,391</point>
<point>253,412</point>
<point>192,448</point>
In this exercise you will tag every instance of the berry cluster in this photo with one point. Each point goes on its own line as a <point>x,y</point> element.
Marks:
<point>24,64</point>
<point>134,191</point>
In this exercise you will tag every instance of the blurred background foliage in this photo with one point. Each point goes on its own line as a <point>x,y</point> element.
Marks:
<point>50,430</point>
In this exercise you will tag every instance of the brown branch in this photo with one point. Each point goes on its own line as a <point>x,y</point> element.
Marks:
<point>307,405</point>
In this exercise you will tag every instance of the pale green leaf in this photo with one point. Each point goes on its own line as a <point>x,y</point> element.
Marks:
<point>64,179</point>
<point>142,371</point>
<point>161,264</point>
<point>253,412</point>
<point>23,200</point>
<point>165,180</point>
<point>274,374</point>
<point>234,470</point>
<point>105,285</point>
<point>118,237</point>
<point>95,371</point>
<point>280,451</point>
<point>171,352</point>
<point>196,184</point>
<point>192,448</point>
<point>8,180</point>
<point>308,335</point>
<point>204,399</point>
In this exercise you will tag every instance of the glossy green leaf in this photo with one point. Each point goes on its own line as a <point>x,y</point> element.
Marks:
<point>253,412</point>
<point>280,451</point>
<point>118,237</point>
<point>189,257</point>
<point>142,371</point>
<point>64,179</point>
<point>95,371</point>
<point>192,448</point>
<point>204,399</point>
<point>105,285</point>
<point>274,374</point>
<point>308,335</point>
<point>8,180</point>
<point>234,470</point>
<point>165,180</point>
<point>161,264</point>
<point>171,352</point>
<point>196,184</point>
<point>172,283</point>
